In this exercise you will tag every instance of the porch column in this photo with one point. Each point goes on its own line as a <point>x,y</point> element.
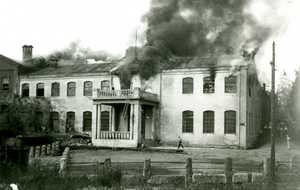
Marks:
<point>113,119</point>
<point>153,122</point>
<point>99,121</point>
<point>95,122</point>
<point>131,127</point>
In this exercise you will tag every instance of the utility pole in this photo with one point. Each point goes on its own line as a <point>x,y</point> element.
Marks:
<point>273,115</point>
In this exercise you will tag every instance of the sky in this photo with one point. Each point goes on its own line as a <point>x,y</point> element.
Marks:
<point>111,25</point>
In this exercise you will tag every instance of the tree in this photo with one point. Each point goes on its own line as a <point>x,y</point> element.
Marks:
<point>294,102</point>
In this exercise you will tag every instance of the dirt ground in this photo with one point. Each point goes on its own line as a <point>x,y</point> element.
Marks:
<point>169,154</point>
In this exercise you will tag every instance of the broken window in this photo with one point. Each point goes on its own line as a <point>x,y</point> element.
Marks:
<point>88,88</point>
<point>5,83</point>
<point>187,85</point>
<point>40,90</point>
<point>70,122</point>
<point>230,84</point>
<point>55,89</point>
<point>230,122</point>
<point>71,91</point>
<point>208,84</point>
<point>54,122</point>
<point>87,121</point>
<point>25,90</point>
<point>105,85</point>
<point>208,121</point>
<point>187,121</point>
<point>104,121</point>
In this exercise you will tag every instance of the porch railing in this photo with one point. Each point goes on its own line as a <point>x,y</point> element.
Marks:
<point>114,135</point>
<point>126,93</point>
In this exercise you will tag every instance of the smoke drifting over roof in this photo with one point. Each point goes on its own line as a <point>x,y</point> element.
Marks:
<point>203,27</point>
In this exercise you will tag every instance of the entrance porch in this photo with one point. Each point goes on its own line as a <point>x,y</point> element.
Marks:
<point>130,122</point>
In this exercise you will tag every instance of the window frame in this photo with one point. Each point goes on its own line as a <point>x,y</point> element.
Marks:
<point>55,89</point>
<point>87,90</point>
<point>208,81</point>
<point>38,90</point>
<point>68,119</point>
<point>27,89</point>
<point>229,85</point>
<point>51,121</point>
<point>105,87</point>
<point>188,85</point>
<point>69,88</point>
<point>187,121</point>
<point>87,117</point>
<point>5,83</point>
<point>107,127</point>
<point>230,122</point>
<point>208,122</point>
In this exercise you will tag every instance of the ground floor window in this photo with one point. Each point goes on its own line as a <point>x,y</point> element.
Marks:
<point>70,122</point>
<point>208,122</point>
<point>54,122</point>
<point>187,121</point>
<point>230,122</point>
<point>104,121</point>
<point>87,121</point>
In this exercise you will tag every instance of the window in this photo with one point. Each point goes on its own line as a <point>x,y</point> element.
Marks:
<point>208,122</point>
<point>70,123</point>
<point>187,121</point>
<point>25,90</point>
<point>39,121</point>
<point>40,89</point>
<point>71,91</point>
<point>230,84</point>
<point>88,88</point>
<point>87,121</point>
<point>230,122</point>
<point>187,85</point>
<point>55,89</point>
<point>104,121</point>
<point>208,84</point>
<point>105,85</point>
<point>54,122</point>
<point>5,83</point>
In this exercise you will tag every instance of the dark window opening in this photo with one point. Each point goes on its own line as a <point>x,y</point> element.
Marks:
<point>40,90</point>
<point>5,83</point>
<point>230,84</point>
<point>25,90</point>
<point>71,91</point>
<point>87,121</point>
<point>55,89</point>
<point>70,123</point>
<point>54,122</point>
<point>187,85</point>
<point>208,122</point>
<point>208,84</point>
<point>104,121</point>
<point>88,88</point>
<point>187,121</point>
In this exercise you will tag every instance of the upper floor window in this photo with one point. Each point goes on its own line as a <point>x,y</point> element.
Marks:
<point>208,84</point>
<point>40,90</point>
<point>208,122</point>
<point>230,122</point>
<point>25,90</point>
<point>105,85</point>
<point>88,88</point>
<point>71,91</point>
<point>187,85</point>
<point>87,121</point>
<point>230,84</point>
<point>187,121</point>
<point>5,83</point>
<point>55,89</point>
<point>104,121</point>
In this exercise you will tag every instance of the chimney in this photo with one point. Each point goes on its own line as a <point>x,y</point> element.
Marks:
<point>27,53</point>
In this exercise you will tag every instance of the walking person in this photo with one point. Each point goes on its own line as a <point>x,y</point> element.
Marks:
<point>180,144</point>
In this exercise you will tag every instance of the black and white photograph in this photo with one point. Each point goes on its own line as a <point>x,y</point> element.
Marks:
<point>149,95</point>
